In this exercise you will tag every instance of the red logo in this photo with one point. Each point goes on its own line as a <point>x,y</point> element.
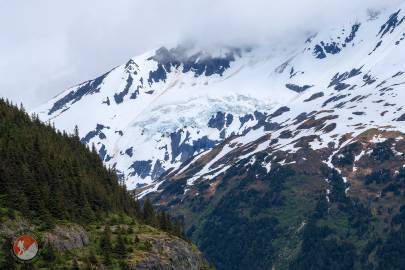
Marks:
<point>25,247</point>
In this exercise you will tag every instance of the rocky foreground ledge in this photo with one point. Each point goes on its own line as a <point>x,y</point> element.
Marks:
<point>69,245</point>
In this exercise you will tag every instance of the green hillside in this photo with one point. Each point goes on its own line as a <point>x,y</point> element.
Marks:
<point>83,218</point>
<point>300,215</point>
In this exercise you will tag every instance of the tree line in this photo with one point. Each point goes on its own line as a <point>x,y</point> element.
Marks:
<point>49,175</point>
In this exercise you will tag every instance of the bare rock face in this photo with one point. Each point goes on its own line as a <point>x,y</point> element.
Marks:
<point>171,254</point>
<point>66,237</point>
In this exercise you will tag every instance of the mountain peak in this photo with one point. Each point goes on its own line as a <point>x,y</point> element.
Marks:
<point>170,105</point>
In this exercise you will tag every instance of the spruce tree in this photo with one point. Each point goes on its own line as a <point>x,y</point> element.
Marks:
<point>76,132</point>
<point>48,175</point>
<point>105,244</point>
<point>148,212</point>
<point>163,222</point>
<point>120,249</point>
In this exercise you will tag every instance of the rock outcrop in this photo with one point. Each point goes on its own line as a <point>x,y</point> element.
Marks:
<point>66,237</point>
<point>168,253</point>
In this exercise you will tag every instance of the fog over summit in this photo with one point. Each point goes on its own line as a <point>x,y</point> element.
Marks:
<point>48,46</point>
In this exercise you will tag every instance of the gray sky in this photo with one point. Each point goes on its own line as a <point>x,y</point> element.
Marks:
<point>47,46</point>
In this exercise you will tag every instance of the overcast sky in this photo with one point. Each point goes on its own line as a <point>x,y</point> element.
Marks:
<point>47,46</point>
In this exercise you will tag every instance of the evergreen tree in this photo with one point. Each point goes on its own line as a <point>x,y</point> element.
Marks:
<point>120,249</point>
<point>93,149</point>
<point>148,212</point>
<point>105,245</point>
<point>163,221</point>
<point>48,175</point>
<point>76,132</point>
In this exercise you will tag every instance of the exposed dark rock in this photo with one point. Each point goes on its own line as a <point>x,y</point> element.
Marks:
<point>341,86</point>
<point>199,63</point>
<point>260,117</point>
<point>368,79</point>
<point>102,153</point>
<point>319,52</point>
<point>292,72</point>
<point>314,96</point>
<point>333,99</point>
<point>97,132</point>
<point>316,123</point>
<point>222,134</point>
<point>401,118</point>
<point>331,48</point>
<point>352,35</point>
<point>211,65</point>
<point>187,148</point>
<point>135,94</point>
<point>129,151</point>
<point>141,168</point>
<point>355,98</point>
<point>119,98</point>
<point>376,46</point>
<point>340,105</point>
<point>271,126</point>
<point>131,66</point>
<point>399,73</point>
<point>107,101</point>
<point>285,134</point>
<point>297,88</point>
<point>217,121</point>
<point>158,75</point>
<point>263,120</point>
<point>339,78</point>
<point>301,117</point>
<point>87,88</point>
<point>229,119</point>
<point>279,112</point>
<point>158,170</point>
<point>329,127</point>
<point>391,24</point>
<point>246,118</point>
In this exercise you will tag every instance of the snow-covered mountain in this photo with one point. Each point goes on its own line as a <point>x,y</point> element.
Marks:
<point>163,110</point>
<point>291,152</point>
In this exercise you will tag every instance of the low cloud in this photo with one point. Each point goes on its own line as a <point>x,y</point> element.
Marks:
<point>50,45</point>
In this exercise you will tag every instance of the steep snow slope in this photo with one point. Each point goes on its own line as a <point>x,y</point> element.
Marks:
<point>355,82</point>
<point>160,109</point>
<point>171,107</point>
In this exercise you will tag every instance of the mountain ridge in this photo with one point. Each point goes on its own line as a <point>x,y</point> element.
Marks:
<point>292,154</point>
<point>162,74</point>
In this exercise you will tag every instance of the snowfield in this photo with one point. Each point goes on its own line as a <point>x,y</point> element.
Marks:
<point>163,110</point>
